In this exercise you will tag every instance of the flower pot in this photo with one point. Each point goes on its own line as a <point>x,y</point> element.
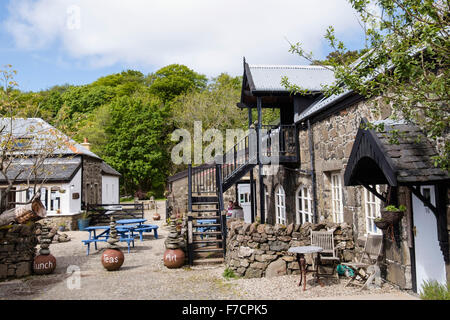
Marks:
<point>173,258</point>
<point>83,223</point>
<point>156,216</point>
<point>44,264</point>
<point>112,259</point>
<point>62,228</point>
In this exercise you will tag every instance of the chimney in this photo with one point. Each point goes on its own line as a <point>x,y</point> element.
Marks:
<point>86,144</point>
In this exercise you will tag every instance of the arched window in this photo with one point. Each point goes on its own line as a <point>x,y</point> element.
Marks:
<point>280,205</point>
<point>304,205</point>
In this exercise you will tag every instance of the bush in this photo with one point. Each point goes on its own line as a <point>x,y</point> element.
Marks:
<point>433,290</point>
<point>229,274</point>
<point>140,195</point>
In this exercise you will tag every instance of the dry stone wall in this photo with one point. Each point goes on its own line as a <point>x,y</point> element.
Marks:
<point>261,250</point>
<point>17,250</point>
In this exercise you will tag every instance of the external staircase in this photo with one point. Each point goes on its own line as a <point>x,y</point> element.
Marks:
<point>207,230</point>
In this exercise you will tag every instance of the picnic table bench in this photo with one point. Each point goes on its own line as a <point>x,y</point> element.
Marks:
<point>124,236</point>
<point>125,229</point>
<point>138,226</point>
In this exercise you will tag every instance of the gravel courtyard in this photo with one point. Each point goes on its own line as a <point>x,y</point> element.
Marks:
<point>144,276</point>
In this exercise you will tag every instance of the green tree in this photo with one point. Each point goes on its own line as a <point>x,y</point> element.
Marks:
<point>215,107</point>
<point>174,80</point>
<point>137,143</point>
<point>407,65</point>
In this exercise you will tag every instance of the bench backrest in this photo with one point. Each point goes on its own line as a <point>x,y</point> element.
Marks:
<point>325,240</point>
<point>373,246</point>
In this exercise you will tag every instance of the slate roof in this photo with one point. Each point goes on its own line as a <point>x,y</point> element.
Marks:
<point>43,133</point>
<point>412,157</point>
<point>108,170</point>
<point>59,169</point>
<point>267,78</point>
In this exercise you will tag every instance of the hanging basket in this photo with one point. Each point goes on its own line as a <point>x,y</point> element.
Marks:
<point>382,224</point>
<point>392,216</point>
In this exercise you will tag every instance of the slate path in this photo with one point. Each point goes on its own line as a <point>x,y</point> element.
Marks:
<point>143,276</point>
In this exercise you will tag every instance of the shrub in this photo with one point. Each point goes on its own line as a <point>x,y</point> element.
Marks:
<point>433,290</point>
<point>229,274</point>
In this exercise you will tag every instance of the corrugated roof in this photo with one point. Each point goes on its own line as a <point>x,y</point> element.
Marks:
<point>321,104</point>
<point>42,134</point>
<point>268,77</point>
<point>107,169</point>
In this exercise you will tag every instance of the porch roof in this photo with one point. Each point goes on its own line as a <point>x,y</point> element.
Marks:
<point>375,160</point>
<point>265,81</point>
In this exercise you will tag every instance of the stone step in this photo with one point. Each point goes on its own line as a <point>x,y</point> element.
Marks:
<point>205,203</point>
<point>208,261</point>
<point>206,240</point>
<point>206,217</point>
<point>207,249</point>
<point>206,225</point>
<point>205,233</point>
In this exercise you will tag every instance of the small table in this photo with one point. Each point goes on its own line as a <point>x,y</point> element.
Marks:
<point>300,252</point>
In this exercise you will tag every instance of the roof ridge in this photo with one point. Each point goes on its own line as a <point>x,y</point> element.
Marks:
<point>286,66</point>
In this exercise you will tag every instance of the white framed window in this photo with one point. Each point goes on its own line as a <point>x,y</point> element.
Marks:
<point>44,197</point>
<point>266,199</point>
<point>304,205</point>
<point>373,211</point>
<point>280,205</point>
<point>30,194</point>
<point>55,200</point>
<point>337,206</point>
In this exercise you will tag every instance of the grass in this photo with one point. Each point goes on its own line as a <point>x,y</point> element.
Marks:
<point>433,290</point>
<point>229,274</point>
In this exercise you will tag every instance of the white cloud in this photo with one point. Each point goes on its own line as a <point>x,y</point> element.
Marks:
<point>209,36</point>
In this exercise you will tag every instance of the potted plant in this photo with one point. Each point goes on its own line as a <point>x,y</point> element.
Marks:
<point>83,222</point>
<point>381,223</point>
<point>392,214</point>
<point>62,227</point>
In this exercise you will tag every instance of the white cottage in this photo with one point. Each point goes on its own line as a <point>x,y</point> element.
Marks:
<point>68,180</point>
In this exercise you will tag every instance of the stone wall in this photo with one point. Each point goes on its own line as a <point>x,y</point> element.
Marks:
<point>333,140</point>
<point>70,221</point>
<point>17,250</point>
<point>260,250</point>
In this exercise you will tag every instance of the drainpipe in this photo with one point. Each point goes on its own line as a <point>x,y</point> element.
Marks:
<point>313,172</point>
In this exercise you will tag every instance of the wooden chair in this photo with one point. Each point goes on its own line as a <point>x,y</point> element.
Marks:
<point>367,266</point>
<point>325,240</point>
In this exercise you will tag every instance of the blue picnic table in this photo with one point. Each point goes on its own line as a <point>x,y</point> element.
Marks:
<point>125,235</point>
<point>137,225</point>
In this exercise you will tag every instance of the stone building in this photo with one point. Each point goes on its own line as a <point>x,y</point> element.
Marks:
<point>69,179</point>
<point>330,168</point>
<point>333,182</point>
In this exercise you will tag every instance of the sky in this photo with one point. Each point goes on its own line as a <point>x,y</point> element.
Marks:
<point>54,42</point>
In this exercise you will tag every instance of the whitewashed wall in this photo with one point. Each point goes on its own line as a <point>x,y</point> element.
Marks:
<point>68,206</point>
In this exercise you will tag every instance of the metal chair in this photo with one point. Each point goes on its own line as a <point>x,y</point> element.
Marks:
<point>325,240</point>
<point>367,267</point>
